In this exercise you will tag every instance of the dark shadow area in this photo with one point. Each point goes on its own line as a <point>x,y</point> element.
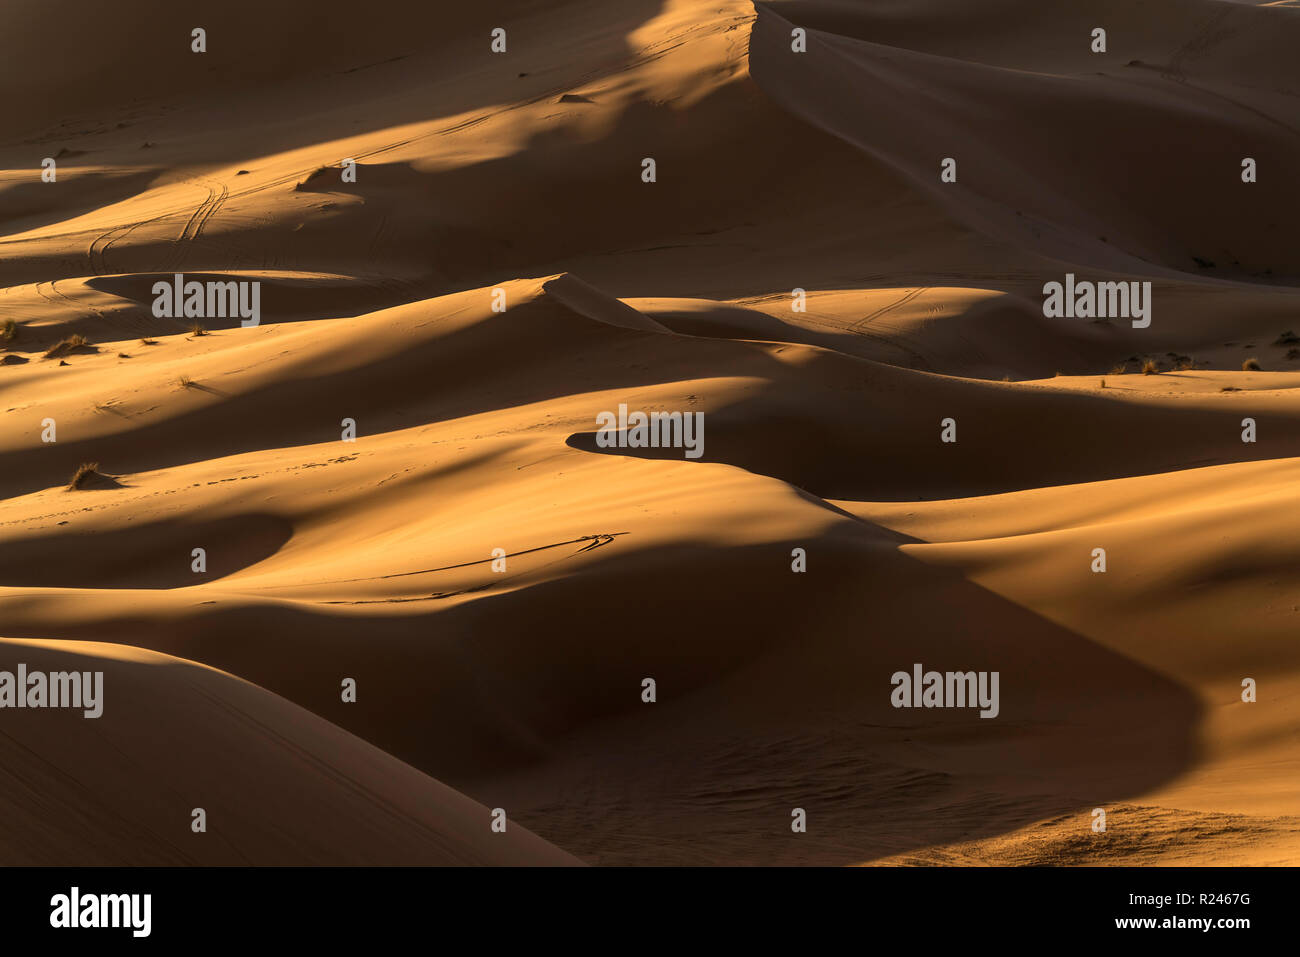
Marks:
<point>836,427</point>
<point>773,692</point>
<point>74,193</point>
<point>282,298</point>
<point>154,555</point>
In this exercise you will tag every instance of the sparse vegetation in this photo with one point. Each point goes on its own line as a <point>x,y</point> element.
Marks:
<point>1229,388</point>
<point>1150,367</point>
<point>197,330</point>
<point>185,382</point>
<point>85,472</point>
<point>1250,365</point>
<point>1287,338</point>
<point>1120,369</point>
<point>8,330</point>
<point>148,342</point>
<point>68,345</point>
<point>1103,383</point>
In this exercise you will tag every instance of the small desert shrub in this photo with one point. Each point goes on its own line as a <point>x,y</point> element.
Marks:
<point>185,382</point>
<point>148,342</point>
<point>1287,338</point>
<point>198,330</point>
<point>1150,367</point>
<point>9,330</point>
<point>85,472</point>
<point>1103,383</point>
<point>1250,365</point>
<point>1229,388</point>
<point>1120,369</point>
<point>68,345</point>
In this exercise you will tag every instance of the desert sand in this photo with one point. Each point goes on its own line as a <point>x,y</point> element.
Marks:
<point>516,177</point>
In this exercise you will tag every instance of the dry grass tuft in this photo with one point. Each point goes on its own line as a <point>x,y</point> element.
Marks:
<point>68,345</point>
<point>85,472</point>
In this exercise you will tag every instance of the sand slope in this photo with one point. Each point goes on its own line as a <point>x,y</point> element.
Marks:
<point>278,785</point>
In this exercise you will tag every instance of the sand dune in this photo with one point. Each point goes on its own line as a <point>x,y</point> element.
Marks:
<point>395,475</point>
<point>277,785</point>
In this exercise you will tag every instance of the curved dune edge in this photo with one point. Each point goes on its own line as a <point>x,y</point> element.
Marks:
<point>286,613</point>
<point>401,567</point>
<point>1031,135</point>
<point>278,784</point>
